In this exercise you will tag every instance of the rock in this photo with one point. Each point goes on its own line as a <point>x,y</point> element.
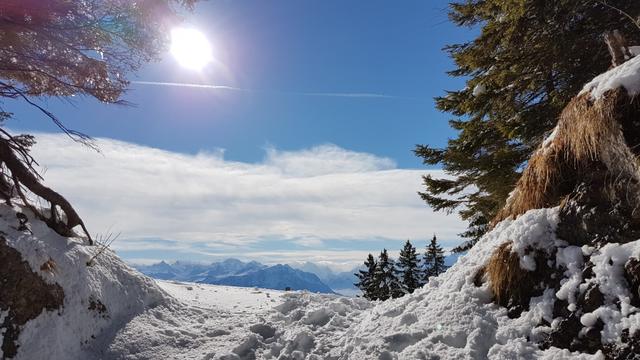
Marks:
<point>560,309</point>
<point>24,294</point>
<point>591,342</point>
<point>565,335</point>
<point>589,216</point>
<point>591,299</point>
<point>629,349</point>
<point>632,275</point>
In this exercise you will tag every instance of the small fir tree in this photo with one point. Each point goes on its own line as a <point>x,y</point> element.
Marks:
<point>409,268</point>
<point>366,280</point>
<point>433,260</point>
<point>385,278</point>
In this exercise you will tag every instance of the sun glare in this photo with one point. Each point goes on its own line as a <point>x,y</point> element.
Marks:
<point>191,48</point>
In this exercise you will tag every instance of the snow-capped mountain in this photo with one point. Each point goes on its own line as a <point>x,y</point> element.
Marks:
<point>277,277</point>
<point>341,282</point>
<point>237,273</point>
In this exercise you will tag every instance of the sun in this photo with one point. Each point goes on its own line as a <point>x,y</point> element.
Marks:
<point>191,48</point>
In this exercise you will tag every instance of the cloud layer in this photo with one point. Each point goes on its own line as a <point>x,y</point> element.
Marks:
<point>324,203</point>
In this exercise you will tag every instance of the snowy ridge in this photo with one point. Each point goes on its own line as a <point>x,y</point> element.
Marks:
<point>76,332</point>
<point>626,75</point>
<point>234,272</point>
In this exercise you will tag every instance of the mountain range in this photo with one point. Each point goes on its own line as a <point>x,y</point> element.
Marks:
<point>233,272</point>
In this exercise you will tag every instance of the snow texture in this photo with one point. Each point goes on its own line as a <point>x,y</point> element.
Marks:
<point>76,332</point>
<point>626,75</point>
<point>479,90</point>
<point>450,318</point>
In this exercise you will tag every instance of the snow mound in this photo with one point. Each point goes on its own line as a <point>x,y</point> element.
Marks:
<point>626,75</point>
<point>263,324</point>
<point>451,318</point>
<point>98,299</point>
<point>112,312</point>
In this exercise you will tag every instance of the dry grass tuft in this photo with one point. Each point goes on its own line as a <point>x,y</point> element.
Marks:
<point>505,275</point>
<point>589,138</point>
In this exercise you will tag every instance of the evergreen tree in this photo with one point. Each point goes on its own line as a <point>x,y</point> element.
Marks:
<point>409,268</point>
<point>433,260</point>
<point>529,59</point>
<point>385,278</point>
<point>366,280</point>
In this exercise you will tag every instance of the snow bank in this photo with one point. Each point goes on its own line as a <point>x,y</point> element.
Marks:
<point>219,322</point>
<point>626,75</point>
<point>451,318</point>
<point>98,299</point>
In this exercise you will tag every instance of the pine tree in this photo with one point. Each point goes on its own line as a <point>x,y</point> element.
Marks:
<point>366,280</point>
<point>433,260</point>
<point>409,268</point>
<point>385,278</point>
<point>529,59</point>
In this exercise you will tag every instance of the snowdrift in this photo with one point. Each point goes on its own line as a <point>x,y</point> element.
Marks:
<point>66,310</point>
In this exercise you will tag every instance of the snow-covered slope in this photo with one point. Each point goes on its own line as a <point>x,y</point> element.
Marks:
<point>451,318</point>
<point>220,322</point>
<point>231,298</point>
<point>98,299</point>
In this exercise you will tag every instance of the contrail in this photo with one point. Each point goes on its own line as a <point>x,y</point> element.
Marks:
<point>232,88</point>
<point>201,86</point>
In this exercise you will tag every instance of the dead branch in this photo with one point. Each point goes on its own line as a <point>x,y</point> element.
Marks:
<point>617,47</point>
<point>22,175</point>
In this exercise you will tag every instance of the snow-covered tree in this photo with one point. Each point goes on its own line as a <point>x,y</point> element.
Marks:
<point>366,279</point>
<point>409,268</point>
<point>433,260</point>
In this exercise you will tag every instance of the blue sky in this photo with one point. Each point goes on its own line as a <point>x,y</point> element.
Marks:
<point>294,58</point>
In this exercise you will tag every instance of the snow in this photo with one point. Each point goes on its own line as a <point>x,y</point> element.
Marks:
<point>450,318</point>
<point>295,325</point>
<point>70,332</point>
<point>479,90</point>
<point>626,75</point>
<point>222,297</point>
<point>570,258</point>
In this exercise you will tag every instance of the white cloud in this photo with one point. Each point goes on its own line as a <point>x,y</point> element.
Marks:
<point>207,205</point>
<point>325,160</point>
